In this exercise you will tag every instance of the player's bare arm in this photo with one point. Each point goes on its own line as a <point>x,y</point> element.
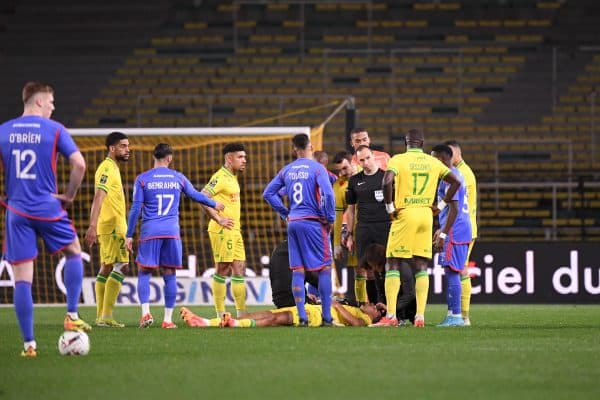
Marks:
<point>78,166</point>
<point>388,192</point>
<point>438,240</point>
<point>350,213</point>
<point>213,213</point>
<point>454,186</point>
<point>346,316</point>
<point>91,235</point>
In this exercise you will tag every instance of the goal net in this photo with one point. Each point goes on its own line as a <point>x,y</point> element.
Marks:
<point>197,154</point>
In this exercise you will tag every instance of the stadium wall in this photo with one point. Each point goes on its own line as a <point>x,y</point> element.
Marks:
<point>503,273</point>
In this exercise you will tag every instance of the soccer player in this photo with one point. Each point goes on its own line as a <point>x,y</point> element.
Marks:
<point>310,219</point>
<point>108,227</point>
<point>29,148</point>
<point>342,315</point>
<point>156,195</point>
<point>360,137</point>
<point>225,231</point>
<point>344,168</point>
<point>280,277</point>
<point>365,200</point>
<point>470,184</point>
<point>366,215</point>
<point>322,158</point>
<point>409,187</point>
<point>454,219</point>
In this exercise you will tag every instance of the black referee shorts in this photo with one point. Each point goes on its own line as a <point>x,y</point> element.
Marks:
<point>368,233</point>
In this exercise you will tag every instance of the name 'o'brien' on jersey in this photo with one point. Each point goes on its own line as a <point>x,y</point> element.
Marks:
<point>29,150</point>
<point>159,190</point>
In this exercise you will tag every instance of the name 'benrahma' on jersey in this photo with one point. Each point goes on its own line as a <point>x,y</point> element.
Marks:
<point>461,230</point>
<point>308,189</point>
<point>29,149</point>
<point>159,189</point>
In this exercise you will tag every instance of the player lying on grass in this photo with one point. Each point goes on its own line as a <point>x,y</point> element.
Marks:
<point>343,315</point>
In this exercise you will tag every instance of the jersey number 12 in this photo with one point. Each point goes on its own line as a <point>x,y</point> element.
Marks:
<point>24,161</point>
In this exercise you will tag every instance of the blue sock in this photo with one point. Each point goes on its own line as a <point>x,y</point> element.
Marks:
<point>143,288</point>
<point>299,295</point>
<point>170,290</point>
<point>453,291</point>
<point>24,308</point>
<point>73,276</point>
<point>325,292</point>
<point>313,290</point>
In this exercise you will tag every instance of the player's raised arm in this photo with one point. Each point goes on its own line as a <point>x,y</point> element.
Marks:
<point>346,316</point>
<point>271,195</point>
<point>454,185</point>
<point>199,197</point>
<point>78,167</point>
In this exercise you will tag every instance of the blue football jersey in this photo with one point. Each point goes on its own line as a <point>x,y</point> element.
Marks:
<point>308,189</point>
<point>29,149</point>
<point>461,230</point>
<point>159,190</point>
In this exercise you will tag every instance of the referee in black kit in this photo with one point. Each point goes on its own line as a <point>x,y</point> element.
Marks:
<point>364,197</point>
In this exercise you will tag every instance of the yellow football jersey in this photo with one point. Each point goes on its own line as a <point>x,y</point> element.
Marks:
<point>339,190</point>
<point>112,213</point>
<point>224,188</point>
<point>354,311</point>
<point>470,183</point>
<point>417,176</point>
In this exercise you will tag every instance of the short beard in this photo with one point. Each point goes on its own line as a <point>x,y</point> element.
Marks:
<point>122,158</point>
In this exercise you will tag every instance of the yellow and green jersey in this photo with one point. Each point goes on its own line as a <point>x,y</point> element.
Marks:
<point>354,311</point>
<point>471,186</point>
<point>339,191</point>
<point>224,188</point>
<point>112,213</point>
<point>417,176</point>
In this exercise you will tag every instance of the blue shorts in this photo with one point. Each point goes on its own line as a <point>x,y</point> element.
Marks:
<point>308,244</point>
<point>161,252</point>
<point>20,240</point>
<point>454,255</point>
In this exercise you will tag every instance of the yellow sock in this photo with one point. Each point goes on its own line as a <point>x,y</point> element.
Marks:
<point>360,288</point>
<point>421,291</point>
<point>465,296</point>
<point>245,323</point>
<point>238,292</point>
<point>111,292</point>
<point>99,288</point>
<point>214,322</point>
<point>392,287</point>
<point>219,290</point>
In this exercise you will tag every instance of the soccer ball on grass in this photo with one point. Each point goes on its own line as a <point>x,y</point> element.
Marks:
<point>74,343</point>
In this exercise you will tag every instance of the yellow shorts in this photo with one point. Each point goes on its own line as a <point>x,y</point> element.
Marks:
<point>227,246</point>
<point>313,312</point>
<point>112,249</point>
<point>352,260</point>
<point>411,234</point>
<point>469,253</point>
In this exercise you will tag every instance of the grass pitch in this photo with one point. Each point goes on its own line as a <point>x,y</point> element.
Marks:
<point>510,352</point>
